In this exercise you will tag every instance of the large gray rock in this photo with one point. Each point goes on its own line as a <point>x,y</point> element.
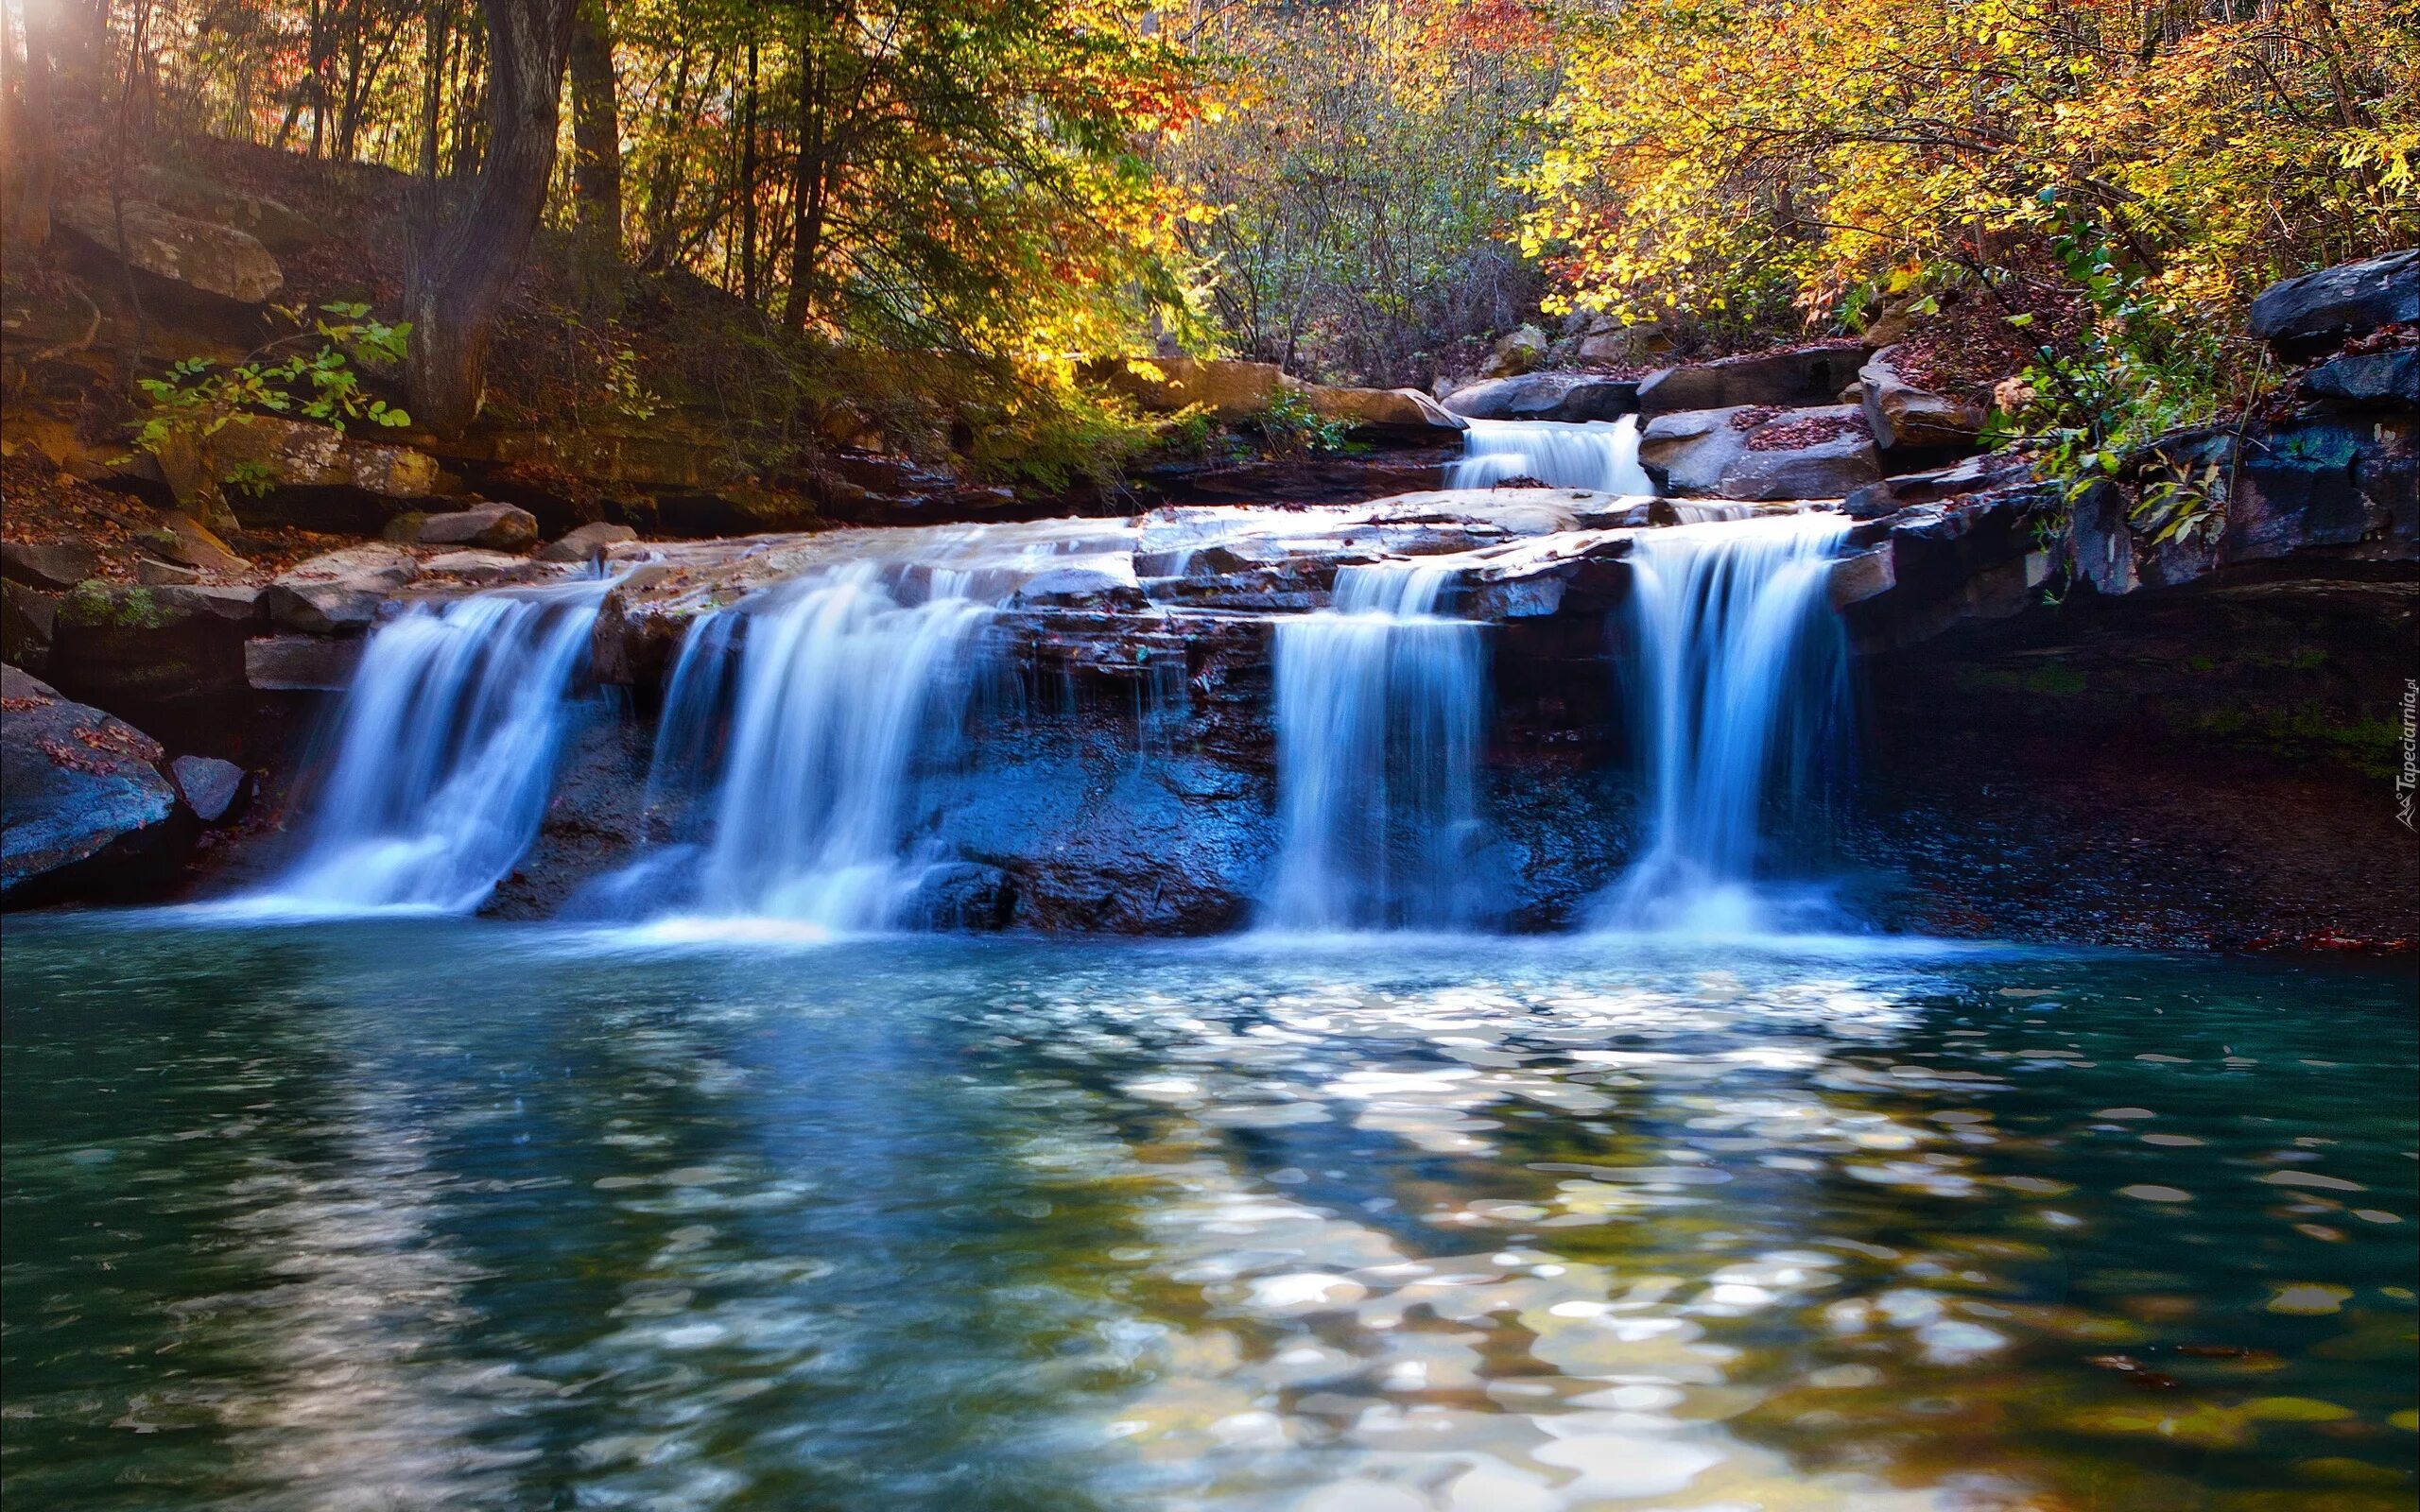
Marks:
<point>54,565</point>
<point>489,527</point>
<point>586,541</point>
<point>1901,415</point>
<point>1820,452</point>
<point>1572,396</point>
<point>1402,411</point>
<point>187,542</point>
<point>1687,453</point>
<point>292,454</point>
<point>81,799</point>
<point>215,260</point>
<point>1516,351</point>
<point>214,790</point>
<point>2302,316</point>
<point>339,594</point>
<point>269,222</point>
<point>1811,375</point>
<point>474,566</point>
<point>2380,380</point>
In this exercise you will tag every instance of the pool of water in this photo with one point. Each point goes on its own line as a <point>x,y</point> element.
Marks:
<point>432,1213</point>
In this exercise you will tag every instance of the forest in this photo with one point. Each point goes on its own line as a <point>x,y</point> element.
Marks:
<point>942,212</point>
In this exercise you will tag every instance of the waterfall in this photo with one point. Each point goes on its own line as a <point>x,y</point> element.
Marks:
<point>1598,455</point>
<point>839,697</point>
<point>1379,703</point>
<point>1741,672</point>
<point>444,754</point>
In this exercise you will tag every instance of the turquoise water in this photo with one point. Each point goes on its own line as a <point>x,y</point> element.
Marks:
<point>437,1214</point>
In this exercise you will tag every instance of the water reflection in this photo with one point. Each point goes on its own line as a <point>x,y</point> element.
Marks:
<point>456,1216</point>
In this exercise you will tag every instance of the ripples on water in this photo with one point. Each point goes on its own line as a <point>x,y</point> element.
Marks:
<point>396,1215</point>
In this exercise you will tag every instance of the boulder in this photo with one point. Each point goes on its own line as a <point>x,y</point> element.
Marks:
<point>1516,351</point>
<point>1862,575</point>
<point>1687,453</point>
<point>2369,380</point>
<point>1901,415</point>
<point>152,644</point>
<point>1809,375</point>
<point>962,895</point>
<point>219,261</point>
<point>1818,453</point>
<point>1572,396</point>
<point>1229,390</point>
<point>480,566</point>
<point>300,664</point>
<point>489,526</point>
<point>214,790</point>
<point>339,594</point>
<point>1384,409</point>
<point>1069,587</point>
<point>271,224</point>
<point>291,454</point>
<point>2315,313</point>
<point>29,618</point>
<point>1975,474</point>
<point>586,543</point>
<point>185,541</point>
<point>56,565</point>
<point>82,802</point>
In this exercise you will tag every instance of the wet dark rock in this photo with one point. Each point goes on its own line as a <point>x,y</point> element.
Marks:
<point>2306,315</point>
<point>54,565</point>
<point>27,621</point>
<point>1808,376</point>
<point>144,646</point>
<point>2384,380</point>
<point>1975,474</point>
<point>83,808</point>
<point>489,526</point>
<point>214,790</point>
<point>300,664</point>
<point>962,895</point>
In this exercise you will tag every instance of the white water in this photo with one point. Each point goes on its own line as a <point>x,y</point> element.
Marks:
<point>840,697</point>
<point>1379,701</point>
<point>1742,673</point>
<point>444,754</point>
<point>1598,454</point>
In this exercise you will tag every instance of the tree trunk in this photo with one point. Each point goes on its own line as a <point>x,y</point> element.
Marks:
<point>432,90</point>
<point>597,131</point>
<point>455,280</point>
<point>748,182</point>
<point>806,197</point>
<point>32,148</point>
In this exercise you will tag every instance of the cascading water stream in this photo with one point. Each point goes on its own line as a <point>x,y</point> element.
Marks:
<point>1597,454</point>
<point>444,754</point>
<point>1379,703</point>
<point>838,698</point>
<point>1742,673</point>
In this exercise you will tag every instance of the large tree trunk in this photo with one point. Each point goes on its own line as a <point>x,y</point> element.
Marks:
<point>748,180</point>
<point>457,279</point>
<point>31,150</point>
<point>597,131</point>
